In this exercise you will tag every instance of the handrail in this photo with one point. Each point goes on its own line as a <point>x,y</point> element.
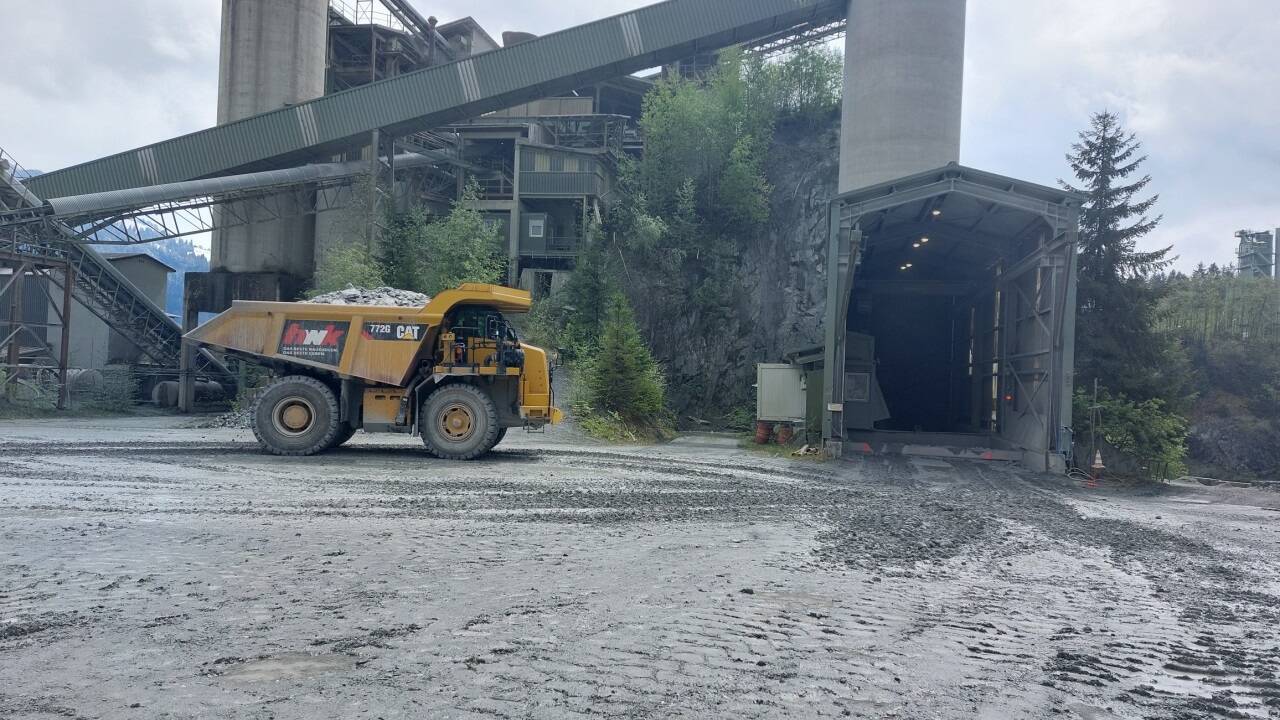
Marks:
<point>363,13</point>
<point>12,176</point>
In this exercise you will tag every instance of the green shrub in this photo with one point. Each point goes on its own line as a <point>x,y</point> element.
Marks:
<point>741,419</point>
<point>343,266</point>
<point>610,428</point>
<point>460,247</point>
<point>1146,434</point>
<point>622,377</point>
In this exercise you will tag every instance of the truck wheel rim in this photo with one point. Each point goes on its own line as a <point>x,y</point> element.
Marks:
<point>456,422</point>
<point>293,416</point>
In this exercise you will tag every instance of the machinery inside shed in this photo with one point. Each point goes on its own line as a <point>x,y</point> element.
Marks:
<point>953,301</point>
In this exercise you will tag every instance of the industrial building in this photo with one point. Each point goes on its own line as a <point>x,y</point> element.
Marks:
<point>1256,253</point>
<point>950,291</point>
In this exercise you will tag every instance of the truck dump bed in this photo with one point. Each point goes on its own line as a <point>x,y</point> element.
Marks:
<point>376,344</point>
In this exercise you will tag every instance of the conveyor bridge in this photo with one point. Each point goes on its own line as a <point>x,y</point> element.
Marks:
<point>443,94</point>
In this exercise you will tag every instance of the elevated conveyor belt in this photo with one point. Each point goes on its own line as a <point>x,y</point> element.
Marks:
<point>436,96</point>
<point>96,284</point>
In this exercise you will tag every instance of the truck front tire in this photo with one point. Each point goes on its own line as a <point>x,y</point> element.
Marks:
<point>296,416</point>
<point>459,422</point>
<point>345,433</point>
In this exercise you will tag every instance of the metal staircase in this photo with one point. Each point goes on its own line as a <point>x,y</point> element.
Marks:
<point>13,194</point>
<point>96,284</point>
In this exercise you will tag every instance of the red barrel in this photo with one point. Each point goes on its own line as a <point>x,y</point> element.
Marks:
<point>763,431</point>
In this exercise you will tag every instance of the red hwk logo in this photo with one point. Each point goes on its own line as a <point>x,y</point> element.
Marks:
<point>296,334</point>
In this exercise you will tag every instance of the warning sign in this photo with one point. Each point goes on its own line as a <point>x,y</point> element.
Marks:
<point>319,341</point>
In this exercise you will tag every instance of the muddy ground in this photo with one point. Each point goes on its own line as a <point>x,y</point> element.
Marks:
<point>155,571</point>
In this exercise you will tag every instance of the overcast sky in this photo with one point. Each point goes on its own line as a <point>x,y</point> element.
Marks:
<point>1198,80</point>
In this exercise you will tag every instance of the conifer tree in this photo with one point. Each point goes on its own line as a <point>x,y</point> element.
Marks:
<point>623,377</point>
<point>1116,339</point>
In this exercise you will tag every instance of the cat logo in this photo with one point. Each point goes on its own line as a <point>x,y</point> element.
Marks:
<point>394,331</point>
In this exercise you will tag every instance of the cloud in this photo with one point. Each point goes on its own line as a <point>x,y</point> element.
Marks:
<point>1197,79</point>
<point>87,78</point>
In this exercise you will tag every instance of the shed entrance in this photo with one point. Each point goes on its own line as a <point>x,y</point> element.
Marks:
<point>957,293</point>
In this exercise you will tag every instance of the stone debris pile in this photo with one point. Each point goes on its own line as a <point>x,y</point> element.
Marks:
<point>383,296</point>
<point>241,419</point>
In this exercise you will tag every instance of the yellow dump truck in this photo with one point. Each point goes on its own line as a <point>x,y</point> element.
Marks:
<point>452,372</point>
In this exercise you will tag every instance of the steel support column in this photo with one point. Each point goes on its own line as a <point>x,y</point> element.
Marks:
<point>18,328</point>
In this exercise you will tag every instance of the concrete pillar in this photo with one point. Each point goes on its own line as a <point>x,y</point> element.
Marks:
<point>273,55</point>
<point>904,78</point>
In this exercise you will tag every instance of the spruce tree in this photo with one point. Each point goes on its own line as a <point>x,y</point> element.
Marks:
<point>623,377</point>
<point>1116,339</point>
<point>587,293</point>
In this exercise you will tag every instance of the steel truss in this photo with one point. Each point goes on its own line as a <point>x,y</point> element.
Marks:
<point>25,352</point>
<point>807,35</point>
<point>102,290</point>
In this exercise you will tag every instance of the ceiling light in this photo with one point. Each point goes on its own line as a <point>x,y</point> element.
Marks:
<point>937,213</point>
<point>924,241</point>
<point>910,265</point>
<point>904,267</point>
<point>916,246</point>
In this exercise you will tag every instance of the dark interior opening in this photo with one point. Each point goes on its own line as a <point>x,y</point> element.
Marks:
<point>918,301</point>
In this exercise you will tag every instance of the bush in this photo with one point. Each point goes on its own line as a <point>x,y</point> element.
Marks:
<point>621,393</point>
<point>584,304</point>
<point>622,377</point>
<point>345,265</point>
<point>428,255</point>
<point>1146,434</point>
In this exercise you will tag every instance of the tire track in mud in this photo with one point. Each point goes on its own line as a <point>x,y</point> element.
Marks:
<point>982,586</point>
<point>555,486</point>
<point>1146,638</point>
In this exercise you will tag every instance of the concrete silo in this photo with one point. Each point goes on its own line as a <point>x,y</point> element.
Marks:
<point>273,55</point>
<point>904,79</point>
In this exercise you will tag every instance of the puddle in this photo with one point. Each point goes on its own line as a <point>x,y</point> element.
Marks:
<point>287,667</point>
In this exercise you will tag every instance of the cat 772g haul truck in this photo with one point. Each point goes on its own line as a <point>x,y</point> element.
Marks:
<point>452,372</point>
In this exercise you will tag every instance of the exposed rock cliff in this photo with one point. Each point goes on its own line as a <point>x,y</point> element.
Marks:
<point>711,361</point>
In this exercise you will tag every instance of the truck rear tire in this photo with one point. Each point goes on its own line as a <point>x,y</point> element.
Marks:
<point>459,422</point>
<point>296,416</point>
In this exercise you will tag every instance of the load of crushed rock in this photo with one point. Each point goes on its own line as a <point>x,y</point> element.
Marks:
<point>383,296</point>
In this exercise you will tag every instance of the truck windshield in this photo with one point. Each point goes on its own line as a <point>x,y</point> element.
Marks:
<point>478,321</point>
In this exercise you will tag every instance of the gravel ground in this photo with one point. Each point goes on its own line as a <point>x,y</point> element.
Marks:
<point>151,569</point>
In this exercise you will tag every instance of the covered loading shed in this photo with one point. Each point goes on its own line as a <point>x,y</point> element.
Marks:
<point>952,300</point>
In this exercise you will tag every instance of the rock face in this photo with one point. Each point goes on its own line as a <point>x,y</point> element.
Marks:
<point>1235,446</point>
<point>383,297</point>
<point>710,362</point>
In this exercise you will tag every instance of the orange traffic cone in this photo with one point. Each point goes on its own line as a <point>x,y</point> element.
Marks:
<point>1096,469</point>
